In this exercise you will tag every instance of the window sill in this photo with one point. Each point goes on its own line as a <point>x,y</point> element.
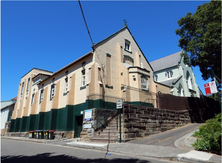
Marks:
<point>146,90</point>
<point>191,90</point>
<point>128,51</point>
<point>83,87</point>
<point>110,87</point>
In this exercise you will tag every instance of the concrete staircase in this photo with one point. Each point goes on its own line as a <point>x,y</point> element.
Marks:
<point>107,135</point>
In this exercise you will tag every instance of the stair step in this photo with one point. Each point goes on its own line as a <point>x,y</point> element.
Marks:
<point>106,136</point>
<point>104,140</point>
<point>107,133</point>
<point>110,131</point>
<point>111,128</point>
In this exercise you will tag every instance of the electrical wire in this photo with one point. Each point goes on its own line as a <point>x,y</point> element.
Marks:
<point>86,25</point>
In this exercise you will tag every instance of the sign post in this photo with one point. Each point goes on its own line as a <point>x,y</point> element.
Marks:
<point>119,106</point>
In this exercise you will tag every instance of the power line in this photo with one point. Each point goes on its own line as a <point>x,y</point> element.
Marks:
<point>86,24</point>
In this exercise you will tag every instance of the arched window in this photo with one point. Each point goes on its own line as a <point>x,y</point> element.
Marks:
<point>155,77</point>
<point>169,74</point>
<point>189,80</point>
<point>128,60</point>
<point>181,91</point>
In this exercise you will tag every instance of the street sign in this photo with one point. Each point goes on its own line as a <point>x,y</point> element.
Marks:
<point>207,89</point>
<point>210,88</point>
<point>213,87</point>
<point>119,103</point>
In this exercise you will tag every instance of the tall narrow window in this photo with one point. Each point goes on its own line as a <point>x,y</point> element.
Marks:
<point>127,45</point>
<point>66,84</point>
<point>27,89</point>
<point>52,91</point>
<point>144,83</point>
<point>33,95</point>
<point>169,74</point>
<point>189,80</point>
<point>83,77</point>
<point>155,77</point>
<point>41,95</point>
<point>108,69</point>
<point>22,89</point>
<point>181,91</point>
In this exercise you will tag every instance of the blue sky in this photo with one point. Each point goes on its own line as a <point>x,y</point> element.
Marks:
<point>50,35</point>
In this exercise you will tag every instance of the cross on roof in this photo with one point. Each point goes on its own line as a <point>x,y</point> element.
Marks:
<point>125,22</point>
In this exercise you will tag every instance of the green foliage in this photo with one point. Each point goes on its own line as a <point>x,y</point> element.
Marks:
<point>201,38</point>
<point>210,136</point>
<point>185,58</point>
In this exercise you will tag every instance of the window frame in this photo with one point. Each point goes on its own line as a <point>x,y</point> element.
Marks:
<point>32,100</point>
<point>144,82</point>
<point>127,45</point>
<point>83,82</point>
<point>22,88</point>
<point>52,92</point>
<point>41,95</point>
<point>28,84</point>
<point>66,84</point>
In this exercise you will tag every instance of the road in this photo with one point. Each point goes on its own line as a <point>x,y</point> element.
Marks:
<point>29,152</point>
<point>169,137</point>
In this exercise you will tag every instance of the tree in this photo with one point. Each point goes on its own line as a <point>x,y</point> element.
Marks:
<point>201,38</point>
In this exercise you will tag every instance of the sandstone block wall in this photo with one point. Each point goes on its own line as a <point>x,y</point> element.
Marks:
<point>141,121</point>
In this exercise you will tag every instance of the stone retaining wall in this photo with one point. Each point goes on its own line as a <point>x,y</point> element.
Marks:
<point>139,121</point>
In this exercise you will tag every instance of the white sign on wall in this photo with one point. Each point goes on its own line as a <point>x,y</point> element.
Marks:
<point>119,104</point>
<point>88,125</point>
<point>88,115</point>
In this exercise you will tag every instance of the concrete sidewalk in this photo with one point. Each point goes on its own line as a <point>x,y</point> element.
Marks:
<point>181,154</point>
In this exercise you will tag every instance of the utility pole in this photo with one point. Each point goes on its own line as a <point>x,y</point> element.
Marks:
<point>218,94</point>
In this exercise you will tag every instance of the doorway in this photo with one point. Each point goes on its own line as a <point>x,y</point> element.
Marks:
<point>78,126</point>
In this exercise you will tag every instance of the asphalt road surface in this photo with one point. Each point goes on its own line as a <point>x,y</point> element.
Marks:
<point>28,152</point>
<point>169,137</point>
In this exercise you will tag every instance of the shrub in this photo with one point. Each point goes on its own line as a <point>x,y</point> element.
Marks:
<point>210,136</point>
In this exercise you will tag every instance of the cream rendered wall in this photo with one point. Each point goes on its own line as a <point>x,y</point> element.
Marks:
<point>115,47</point>
<point>79,96</point>
<point>23,105</point>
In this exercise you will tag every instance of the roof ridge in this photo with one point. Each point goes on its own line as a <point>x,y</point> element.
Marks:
<point>166,56</point>
<point>110,36</point>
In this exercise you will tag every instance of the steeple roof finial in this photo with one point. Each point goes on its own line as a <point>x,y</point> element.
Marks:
<point>125,23</point>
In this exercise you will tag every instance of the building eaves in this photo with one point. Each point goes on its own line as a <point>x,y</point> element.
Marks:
<point>37,69</point>
<point>10,103</point>
<point>69,65</point>
<point>162,84</point>
<point>170,82</point>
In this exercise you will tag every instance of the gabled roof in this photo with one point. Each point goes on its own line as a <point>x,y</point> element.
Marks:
<point>116,33</point>
<point>166,62</point>
<point>36,69</point>
<point>5,104</point>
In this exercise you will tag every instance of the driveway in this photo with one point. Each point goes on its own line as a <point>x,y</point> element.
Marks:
<point>167,138</point>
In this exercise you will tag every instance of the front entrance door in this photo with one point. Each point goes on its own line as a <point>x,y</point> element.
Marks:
<point>78,126</point>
